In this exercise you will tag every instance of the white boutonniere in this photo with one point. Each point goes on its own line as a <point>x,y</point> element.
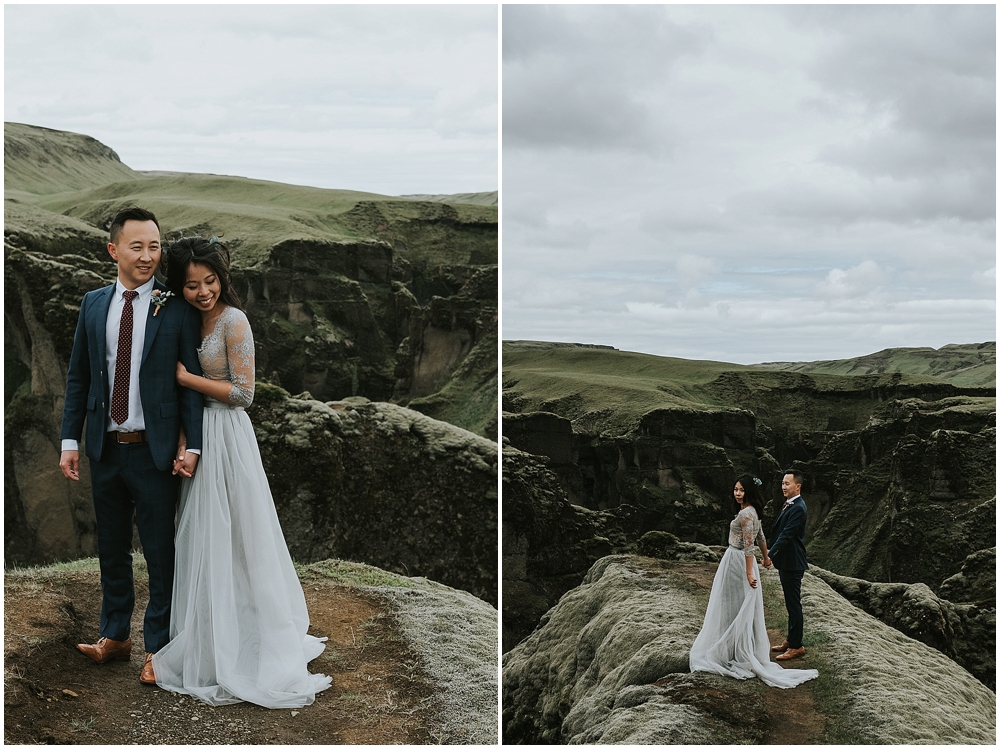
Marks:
<point>159,299</point>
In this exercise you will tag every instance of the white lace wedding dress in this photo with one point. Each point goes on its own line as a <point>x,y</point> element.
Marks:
<point>238,619</point>
<point>733,640</point>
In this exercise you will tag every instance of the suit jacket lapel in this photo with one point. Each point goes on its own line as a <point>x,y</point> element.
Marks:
<point>100,332</point>
<point>152,325</point>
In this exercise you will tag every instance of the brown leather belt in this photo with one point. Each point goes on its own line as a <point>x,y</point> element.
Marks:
<point>126,438</point>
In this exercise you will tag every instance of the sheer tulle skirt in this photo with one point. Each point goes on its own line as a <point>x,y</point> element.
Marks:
<point>238,620</point>
<point>733,640</point>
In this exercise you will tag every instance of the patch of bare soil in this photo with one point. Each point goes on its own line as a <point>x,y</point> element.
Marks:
<point>54,694</point>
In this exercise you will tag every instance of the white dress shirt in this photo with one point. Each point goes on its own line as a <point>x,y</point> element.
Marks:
<point>140,309</point>
<point>788,502</point>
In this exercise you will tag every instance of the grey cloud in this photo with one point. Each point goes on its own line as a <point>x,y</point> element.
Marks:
<point>579,78</point>
<point>955,196</point>
<point>575,114</point>
<point>928,70</point>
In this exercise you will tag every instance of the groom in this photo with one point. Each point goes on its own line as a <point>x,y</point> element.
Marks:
<point>121,381</point>
<point>788,552</point>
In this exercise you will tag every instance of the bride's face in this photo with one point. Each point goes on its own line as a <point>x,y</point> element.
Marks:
<point>738,492</point>
<point>202,287</point>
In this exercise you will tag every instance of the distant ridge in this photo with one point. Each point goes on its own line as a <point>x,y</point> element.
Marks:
<point>42,161</point>
<point>57,181</point>
<point>475,198</point>
<point>552,344</point>
<point>972,364</point>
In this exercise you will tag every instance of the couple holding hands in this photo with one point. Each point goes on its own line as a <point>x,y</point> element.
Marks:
<point>161,375</point>
<point>733,640</point>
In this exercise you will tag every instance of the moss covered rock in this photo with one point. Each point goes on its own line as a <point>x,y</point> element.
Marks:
<point>381,484</point>
<point>609,664</point>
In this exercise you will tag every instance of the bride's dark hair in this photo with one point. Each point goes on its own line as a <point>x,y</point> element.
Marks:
<point>751,493</point>
<point>182,252</point>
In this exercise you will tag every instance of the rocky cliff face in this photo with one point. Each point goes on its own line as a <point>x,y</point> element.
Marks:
<point>384,485</point>
<point>881,493</point>
<point>609,664</point>
<point>900,478</point>
<point>965,632</point>
<point>349,295</point>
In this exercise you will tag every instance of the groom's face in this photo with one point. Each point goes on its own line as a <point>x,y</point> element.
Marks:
<point>137,252</point>
<point>788,486</point>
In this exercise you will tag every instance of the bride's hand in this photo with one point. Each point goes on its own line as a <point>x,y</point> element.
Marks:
<point>181,373</point>
<point>752,580</point>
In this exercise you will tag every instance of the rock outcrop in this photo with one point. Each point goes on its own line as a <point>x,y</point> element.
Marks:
<point>908,497</point>
<point>609,664</point>
<point>977,582</point>
<point>381,484</point>
<point>964,632</point>
<point>549,542</point>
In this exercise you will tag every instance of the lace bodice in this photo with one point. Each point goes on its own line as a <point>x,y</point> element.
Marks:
<point>745,531</point>
<point>227,354</point>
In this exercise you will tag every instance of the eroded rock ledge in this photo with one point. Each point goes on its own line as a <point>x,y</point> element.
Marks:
<point>609,664</point>
<point>965,632</point>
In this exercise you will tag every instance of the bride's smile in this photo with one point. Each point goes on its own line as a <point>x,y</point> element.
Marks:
<point>202,287</point>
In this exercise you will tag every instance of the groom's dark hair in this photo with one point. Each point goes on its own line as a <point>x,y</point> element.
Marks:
<point>131,213</point>
<point>796,475</point>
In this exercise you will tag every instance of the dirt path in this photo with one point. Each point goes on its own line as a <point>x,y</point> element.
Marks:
<point>53,694</point>
<point>794,716</point>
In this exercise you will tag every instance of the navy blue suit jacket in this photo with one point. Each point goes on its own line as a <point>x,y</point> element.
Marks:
<point>788,544</point>
<point>172,335</point>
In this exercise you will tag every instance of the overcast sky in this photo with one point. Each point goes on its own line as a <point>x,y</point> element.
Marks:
<point>389,99</point>
<point>749,183</point>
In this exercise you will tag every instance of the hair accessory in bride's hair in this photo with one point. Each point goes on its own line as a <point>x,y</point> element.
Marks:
<point>757,481</point>
<point>213,240</point>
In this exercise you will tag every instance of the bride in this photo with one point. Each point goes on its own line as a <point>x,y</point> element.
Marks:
<point>238,616</point>
<point>733,640</point>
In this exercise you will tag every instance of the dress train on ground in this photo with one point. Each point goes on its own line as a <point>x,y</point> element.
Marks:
<point>239,619</point>
<point>733,640</point>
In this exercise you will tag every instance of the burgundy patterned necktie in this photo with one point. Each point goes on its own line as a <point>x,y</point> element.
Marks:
<point>123,364</point>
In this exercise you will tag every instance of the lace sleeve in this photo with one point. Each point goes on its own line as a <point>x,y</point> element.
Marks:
<point>749,530</point>
<point>240,352</point>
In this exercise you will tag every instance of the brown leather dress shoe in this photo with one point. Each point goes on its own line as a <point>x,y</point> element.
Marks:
<point>791,653</point>
<point>147,676</point>
<point>780,648</point>
<point>107,650</point>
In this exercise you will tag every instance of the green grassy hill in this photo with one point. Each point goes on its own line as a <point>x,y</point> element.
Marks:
<point>40,161</point>
<point>476,198</point>
<point>972,364</point>
<point>605,389</point>
<point>74,175</point>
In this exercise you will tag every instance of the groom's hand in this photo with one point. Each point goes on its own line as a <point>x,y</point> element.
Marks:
<point>69,462</point>
<point>185,463</point>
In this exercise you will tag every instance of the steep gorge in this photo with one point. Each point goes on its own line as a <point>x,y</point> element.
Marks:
<point>350,295</point>
<point>900,469</point>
